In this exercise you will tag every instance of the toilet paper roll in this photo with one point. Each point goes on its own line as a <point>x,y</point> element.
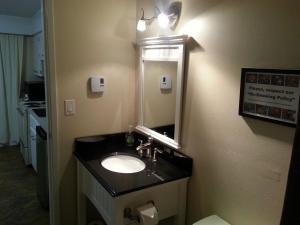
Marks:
<point>148,214</point>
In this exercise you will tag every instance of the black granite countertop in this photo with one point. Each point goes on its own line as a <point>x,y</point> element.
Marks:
<point>90,151</point>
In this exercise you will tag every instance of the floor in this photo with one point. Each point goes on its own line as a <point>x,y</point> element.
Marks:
<point>19,204</point>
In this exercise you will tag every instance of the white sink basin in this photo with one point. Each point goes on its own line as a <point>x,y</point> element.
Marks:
<point>123,164</point>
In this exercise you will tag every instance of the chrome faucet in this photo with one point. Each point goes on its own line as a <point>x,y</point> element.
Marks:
<point>146,146</point>
<point>154,157</point>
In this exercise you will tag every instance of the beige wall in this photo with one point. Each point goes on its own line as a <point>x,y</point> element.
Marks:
<point>240,165</point>
<point>159,105</point>
<point>91,37</point>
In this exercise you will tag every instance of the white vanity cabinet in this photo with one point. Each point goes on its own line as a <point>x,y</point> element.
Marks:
<point>169,199</point>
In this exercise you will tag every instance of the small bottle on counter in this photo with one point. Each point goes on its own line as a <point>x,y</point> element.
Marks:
<point>129,136</point>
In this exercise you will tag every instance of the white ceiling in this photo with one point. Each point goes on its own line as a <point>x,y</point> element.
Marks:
<point>22,8</point>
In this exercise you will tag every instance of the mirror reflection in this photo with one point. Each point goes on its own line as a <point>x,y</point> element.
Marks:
<point>160,82</point>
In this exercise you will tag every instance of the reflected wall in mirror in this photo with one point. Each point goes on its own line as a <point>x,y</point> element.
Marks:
<point>160,96</point>
<point>161,81</point>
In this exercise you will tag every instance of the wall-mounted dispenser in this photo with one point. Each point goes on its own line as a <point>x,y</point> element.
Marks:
<point>165,82</point>
<point>97,84</point>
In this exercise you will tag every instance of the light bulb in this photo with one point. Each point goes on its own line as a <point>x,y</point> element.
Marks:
<point>163,20</point>
<point>141,26</point>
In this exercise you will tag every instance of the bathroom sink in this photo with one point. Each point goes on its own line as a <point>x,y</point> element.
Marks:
<point>123,164</point>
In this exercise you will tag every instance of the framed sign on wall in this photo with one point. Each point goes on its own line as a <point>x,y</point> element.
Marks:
<point>270,95</point>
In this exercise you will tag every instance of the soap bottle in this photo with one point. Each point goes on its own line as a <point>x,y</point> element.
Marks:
<point>129,136</point>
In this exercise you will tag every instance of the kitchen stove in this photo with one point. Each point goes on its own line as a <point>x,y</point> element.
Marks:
<point>32,104</point>
<point>40,112</point>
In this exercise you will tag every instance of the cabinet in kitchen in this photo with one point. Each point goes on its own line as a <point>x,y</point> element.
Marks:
<point>38,54</point>
<point>33,123</point>
<point>23,128</point>
<point>27,127</point>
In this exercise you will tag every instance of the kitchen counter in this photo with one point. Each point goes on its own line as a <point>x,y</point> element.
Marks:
<point>90,151</point>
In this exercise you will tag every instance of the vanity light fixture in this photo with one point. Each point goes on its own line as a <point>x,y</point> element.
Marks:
<point>141,26</point>
<point>165,19</point>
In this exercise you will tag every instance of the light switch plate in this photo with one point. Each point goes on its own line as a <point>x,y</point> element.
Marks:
<point>70,107</point>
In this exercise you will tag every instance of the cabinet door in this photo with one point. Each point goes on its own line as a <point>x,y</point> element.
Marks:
<point>20,123</point>
<point>33,148</point>
<point>24,128</point>
<point>38,54</point>
<point>42,46</point>
<point>41,54</point>
<point>35,54</point>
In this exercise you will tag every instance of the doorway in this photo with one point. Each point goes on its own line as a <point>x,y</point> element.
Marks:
<point>24,160</point>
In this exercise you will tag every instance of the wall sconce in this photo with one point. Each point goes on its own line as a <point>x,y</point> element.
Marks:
<point>168,18</point>
<point>141,26</point>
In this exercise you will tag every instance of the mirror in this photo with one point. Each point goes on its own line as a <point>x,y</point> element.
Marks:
<point>160,88</point>
<point>160,96</point>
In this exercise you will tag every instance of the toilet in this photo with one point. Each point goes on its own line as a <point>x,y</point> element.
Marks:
<point>211,220</point>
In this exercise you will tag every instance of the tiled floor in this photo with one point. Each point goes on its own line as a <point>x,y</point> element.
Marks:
<point>18,200</point>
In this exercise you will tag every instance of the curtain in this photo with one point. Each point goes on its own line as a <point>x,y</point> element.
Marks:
<point>11,57</point>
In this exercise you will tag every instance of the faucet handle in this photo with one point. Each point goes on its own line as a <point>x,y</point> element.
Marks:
<point>150,139</point>
<point>141,141</point>
<point>158,150</point>
<point>154,158</point>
